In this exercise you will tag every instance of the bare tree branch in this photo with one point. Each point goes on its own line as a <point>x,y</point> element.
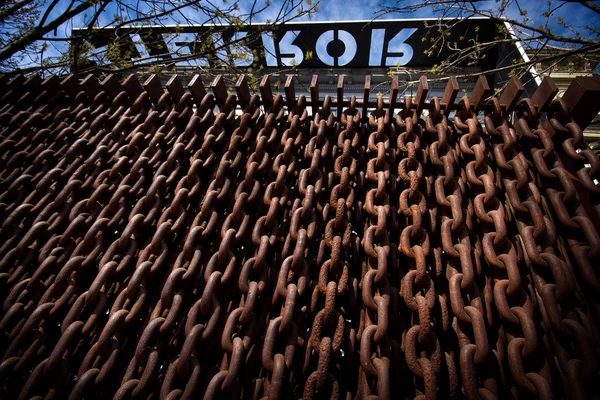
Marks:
<point>591,6</point>
<point>6,12</point>
<point>533,26</point>
<point>39,32</point>
<point>32,41</point>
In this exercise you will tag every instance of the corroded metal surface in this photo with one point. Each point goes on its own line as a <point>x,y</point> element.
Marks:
<point>159,244</point>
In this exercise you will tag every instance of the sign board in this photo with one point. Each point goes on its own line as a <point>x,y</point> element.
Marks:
<point>352,44</point>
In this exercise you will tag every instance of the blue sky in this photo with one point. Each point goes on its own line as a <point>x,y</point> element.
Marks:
<point>334,10</point>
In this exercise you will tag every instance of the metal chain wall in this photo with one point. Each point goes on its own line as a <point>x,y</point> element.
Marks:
<point>159,244</point>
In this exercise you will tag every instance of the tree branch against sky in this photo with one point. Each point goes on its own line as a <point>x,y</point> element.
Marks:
<point>35,35</point>
<point>547,30</point>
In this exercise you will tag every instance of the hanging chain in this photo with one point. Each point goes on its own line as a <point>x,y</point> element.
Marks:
<point>173,244</point>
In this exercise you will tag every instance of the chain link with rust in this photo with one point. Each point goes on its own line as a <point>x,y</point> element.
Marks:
<point>171,246</point>
<point>381,223</point>
<point>421,345</point>
<point>571,335</point>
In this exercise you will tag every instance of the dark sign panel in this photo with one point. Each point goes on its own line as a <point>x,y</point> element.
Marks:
<point>358,44</point>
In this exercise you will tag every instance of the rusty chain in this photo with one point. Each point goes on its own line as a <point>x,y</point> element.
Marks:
<point>181,244</point>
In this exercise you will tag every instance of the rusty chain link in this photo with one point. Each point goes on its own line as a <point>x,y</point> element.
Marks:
<point>176,245</point>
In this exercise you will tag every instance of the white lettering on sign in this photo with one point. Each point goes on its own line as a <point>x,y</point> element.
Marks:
<point>395,46</point>
<point>349,47</point>
<point>286,48</point>
<point>398,52</point>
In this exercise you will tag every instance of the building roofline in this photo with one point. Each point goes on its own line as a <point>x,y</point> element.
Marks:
<point>366,21</point>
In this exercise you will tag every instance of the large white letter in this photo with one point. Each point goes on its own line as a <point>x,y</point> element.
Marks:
<point>349,47</point>
<point>269,46</point>
<point>397,45</point>
<point>286,47</point>
<point>376,51</point>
